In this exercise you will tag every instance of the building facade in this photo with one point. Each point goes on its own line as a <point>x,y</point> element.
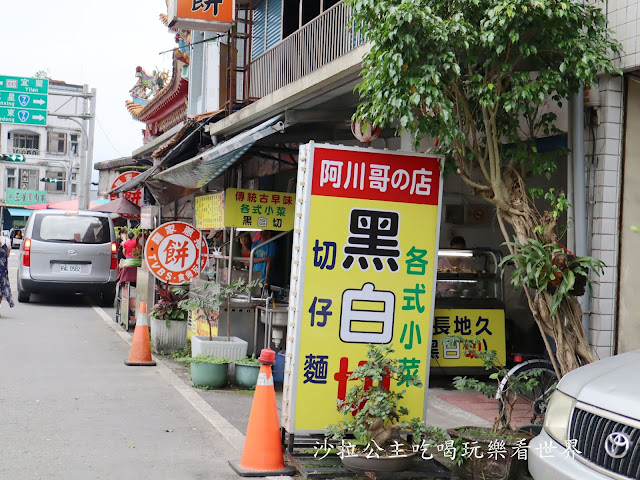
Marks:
<point>48,156</point>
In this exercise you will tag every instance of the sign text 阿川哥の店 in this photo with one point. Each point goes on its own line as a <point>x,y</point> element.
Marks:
<point>365,244</point>
<point>23,100</point>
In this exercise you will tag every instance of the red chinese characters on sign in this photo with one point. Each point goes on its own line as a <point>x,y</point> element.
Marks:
<point>134,196</point>
<point>176,252</point>
<point>374,176</point>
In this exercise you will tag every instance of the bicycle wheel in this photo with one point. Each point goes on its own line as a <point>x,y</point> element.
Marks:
<point>529,407</point>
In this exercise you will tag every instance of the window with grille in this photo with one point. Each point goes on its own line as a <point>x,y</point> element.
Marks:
<point>25,143</point>
<point>57,142</point>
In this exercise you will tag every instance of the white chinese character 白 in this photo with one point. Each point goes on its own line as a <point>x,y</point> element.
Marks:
<point>331,172</point>
<point>374,308</point>
<point>450,351</point>
<point>379,177</point>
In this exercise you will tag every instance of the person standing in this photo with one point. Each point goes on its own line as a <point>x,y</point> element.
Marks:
<point>129,246</point>
<point>5,287</point>
<point>263,256</point>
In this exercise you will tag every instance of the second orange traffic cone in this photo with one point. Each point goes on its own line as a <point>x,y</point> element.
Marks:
<point>140,354</point>
<point>262,453</point>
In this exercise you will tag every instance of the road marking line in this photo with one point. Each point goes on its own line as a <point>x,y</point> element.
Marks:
<point>217,421</point>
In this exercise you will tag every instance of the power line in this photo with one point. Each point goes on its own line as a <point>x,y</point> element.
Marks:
<point>107,137</point>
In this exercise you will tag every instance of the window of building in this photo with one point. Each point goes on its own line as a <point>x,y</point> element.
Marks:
<point>12,181</point>
<point>25,143</point>
<point>58,186</point>
<point>73,146</point>
<point>57,142</point>
<point>28,179</point>
<point>74,183</point>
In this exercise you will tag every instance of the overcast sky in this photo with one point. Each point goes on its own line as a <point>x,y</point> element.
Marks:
<point>97,43</point>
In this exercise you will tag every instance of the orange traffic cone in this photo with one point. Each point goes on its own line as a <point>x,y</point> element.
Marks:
<point>140,353</point>
<point>262,453</point>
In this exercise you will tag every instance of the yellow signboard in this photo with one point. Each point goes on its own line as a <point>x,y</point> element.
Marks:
<point>209,211</point>
<point>366,240</point>
<point>259,209</point>
<point>485,324</point>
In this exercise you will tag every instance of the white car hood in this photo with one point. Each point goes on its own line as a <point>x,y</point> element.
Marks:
<point>611,384</point>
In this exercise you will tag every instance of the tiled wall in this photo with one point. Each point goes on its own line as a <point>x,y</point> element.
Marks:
<point>622,16</point>
<point>606,212</point>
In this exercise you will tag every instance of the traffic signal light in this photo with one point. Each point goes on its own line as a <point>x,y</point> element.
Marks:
<point>51,180</point>
<point>11,158</point>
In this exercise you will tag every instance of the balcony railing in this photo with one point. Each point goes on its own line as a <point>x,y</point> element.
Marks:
<point>324,39</point>
<point>25,151</point>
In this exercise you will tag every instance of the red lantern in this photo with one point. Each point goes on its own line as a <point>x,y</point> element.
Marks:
<point>364,132</point>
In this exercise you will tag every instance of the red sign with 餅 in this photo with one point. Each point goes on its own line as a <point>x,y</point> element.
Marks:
<point>375,176</point>
<point>134,196</point>
<point>176,252</point>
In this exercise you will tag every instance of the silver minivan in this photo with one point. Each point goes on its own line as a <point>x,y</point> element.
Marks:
<point>68,252</point>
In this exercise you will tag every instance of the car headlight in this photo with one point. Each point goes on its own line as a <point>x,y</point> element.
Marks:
<point>557,416</point>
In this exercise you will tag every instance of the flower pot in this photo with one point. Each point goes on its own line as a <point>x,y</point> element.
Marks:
<point>493,467</point>
<point>360,463</point>
<point>247,375</point>
<point>167,339</point>
<point>211,375</point>
<point>220,347</point>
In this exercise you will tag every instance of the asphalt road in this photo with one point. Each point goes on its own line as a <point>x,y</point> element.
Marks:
<point>70,408</point>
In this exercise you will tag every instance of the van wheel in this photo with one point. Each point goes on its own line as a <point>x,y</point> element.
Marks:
<point>107,298</point>
<point>23,297</point>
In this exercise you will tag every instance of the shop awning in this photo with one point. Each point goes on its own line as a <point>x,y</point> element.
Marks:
<point>19,212</point>
<point>203,168</point>
<point>135,182</point>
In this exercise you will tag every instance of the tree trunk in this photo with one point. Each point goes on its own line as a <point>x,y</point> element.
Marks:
<point>565,326</point>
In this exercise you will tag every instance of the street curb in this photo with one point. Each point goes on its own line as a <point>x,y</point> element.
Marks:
<point>217,421</point>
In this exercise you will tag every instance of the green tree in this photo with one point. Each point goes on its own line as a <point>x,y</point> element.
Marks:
<point>480,76</point>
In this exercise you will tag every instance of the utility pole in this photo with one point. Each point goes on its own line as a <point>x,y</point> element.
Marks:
<point>86,160</point>
<point>86,146</point>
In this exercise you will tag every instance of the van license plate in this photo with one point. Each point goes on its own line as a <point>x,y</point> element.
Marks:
<point>70,268</point>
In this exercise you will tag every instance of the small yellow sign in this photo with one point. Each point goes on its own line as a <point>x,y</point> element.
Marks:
<point>209,211</point>
<point>259,209</point>
<point>485,324</point>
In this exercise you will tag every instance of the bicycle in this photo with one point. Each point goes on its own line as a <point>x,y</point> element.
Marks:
<point>537,398</point>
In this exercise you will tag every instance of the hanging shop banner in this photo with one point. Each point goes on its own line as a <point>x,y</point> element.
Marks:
<point>134,196</point>
<point>176,252</point>
<point>259,209</point>
<point>209,211</point>
<point>365,248</point>
<point>205,15</point>
<point>485,324</point>
<point>25,197</point>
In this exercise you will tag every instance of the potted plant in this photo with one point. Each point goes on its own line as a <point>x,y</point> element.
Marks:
<point>168,320</point>
<point>376,423</point>
<point>208,371</point>
<point>247,370</point>
<point>496,452</point>
<point>205,300</point>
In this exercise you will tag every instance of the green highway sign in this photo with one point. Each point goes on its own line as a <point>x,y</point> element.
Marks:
<point>23,116</point>
<point>23,100</point>
<point>24,85</point>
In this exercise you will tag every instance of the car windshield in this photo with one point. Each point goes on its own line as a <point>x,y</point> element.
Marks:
<point>72,229</point>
